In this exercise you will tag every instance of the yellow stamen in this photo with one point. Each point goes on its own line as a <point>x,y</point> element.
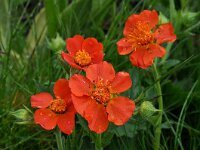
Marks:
<point>82,58</point>
<point>101,92</point>
<point>140,35</point>
<point>58,105</point>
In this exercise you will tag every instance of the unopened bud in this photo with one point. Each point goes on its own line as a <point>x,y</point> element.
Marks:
<point>57,44</point>
<point>22,116</point>
<point>147,109</point>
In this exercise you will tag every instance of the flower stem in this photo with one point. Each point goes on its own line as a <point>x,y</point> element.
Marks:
<point>160,103</point>
<point>59,139</point>
<point>98,143</point>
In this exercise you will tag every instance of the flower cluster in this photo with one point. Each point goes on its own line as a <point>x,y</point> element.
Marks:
<point>96,96</point>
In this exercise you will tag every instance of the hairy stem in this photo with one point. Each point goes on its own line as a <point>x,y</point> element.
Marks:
<point>160,103</point>
<point>98,143</point>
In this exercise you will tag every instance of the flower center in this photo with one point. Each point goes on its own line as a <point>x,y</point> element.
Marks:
<point>82,58</point>
<point>58,106</point>
<point>101,92</point>
<point>140,34</point>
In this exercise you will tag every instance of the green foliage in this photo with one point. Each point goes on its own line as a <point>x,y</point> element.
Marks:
<point>29,65</point>
<point>73,22</point>
<point>131,128</point>
<point>37,32</point>
<point>51,12</point>
<point>4,24</point>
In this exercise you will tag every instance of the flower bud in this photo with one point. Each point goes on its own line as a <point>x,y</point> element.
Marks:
<point>22,116</point>
<point>57,44</point>
<point>147,109</point>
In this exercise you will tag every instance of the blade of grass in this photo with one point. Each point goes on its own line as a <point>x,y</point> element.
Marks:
<point>51,12</point>
<point>37,32</point>
<point>183,114</point>
<point>22,141</point>
<point>4,24</point>
<point>173,131</point>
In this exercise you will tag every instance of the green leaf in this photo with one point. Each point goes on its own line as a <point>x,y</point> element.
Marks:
<point>101,140</point>
<point>51,12</point>
<point>83,123</point>
<point>182,115</point>
<point>167,125</point>
<point>37,32</point>
<point>106,138</point>
<point>173,12</point>
<point>170,63</point>
<point>4,24</point>
<point>129,129</point>
<point>61,4</point>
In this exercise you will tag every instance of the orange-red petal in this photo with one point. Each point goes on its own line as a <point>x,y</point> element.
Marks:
<point>141,58</point>
<point>61,89</point>
<point>156,50</point>
<point>121,82</point>
<point>96,116</point>
<point>102,70</point>
<point>146,16</point>
<point>120,109</point>
<point>165,33</point>
<point>70,108</point>
<point>124,47</point>
<point>41,100</point>
<point>97,57</point>
<point>46,118</point>
<point>81,103</point>
<point>79,85</point>
<point>93,112</point>
<point>66,122</point>
<point>74,44</point>
<point>70,60</point>
<point>148,60</point>
<point>91,45</point>
<point>150,17</point>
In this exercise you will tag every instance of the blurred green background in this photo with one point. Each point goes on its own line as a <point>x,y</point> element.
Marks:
<point>29,64</point>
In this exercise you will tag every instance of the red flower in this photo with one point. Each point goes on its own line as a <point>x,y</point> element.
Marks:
<point>59,111</point>
<point>83,52</point>
<point>95,97</point>
<point>143,39</point>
